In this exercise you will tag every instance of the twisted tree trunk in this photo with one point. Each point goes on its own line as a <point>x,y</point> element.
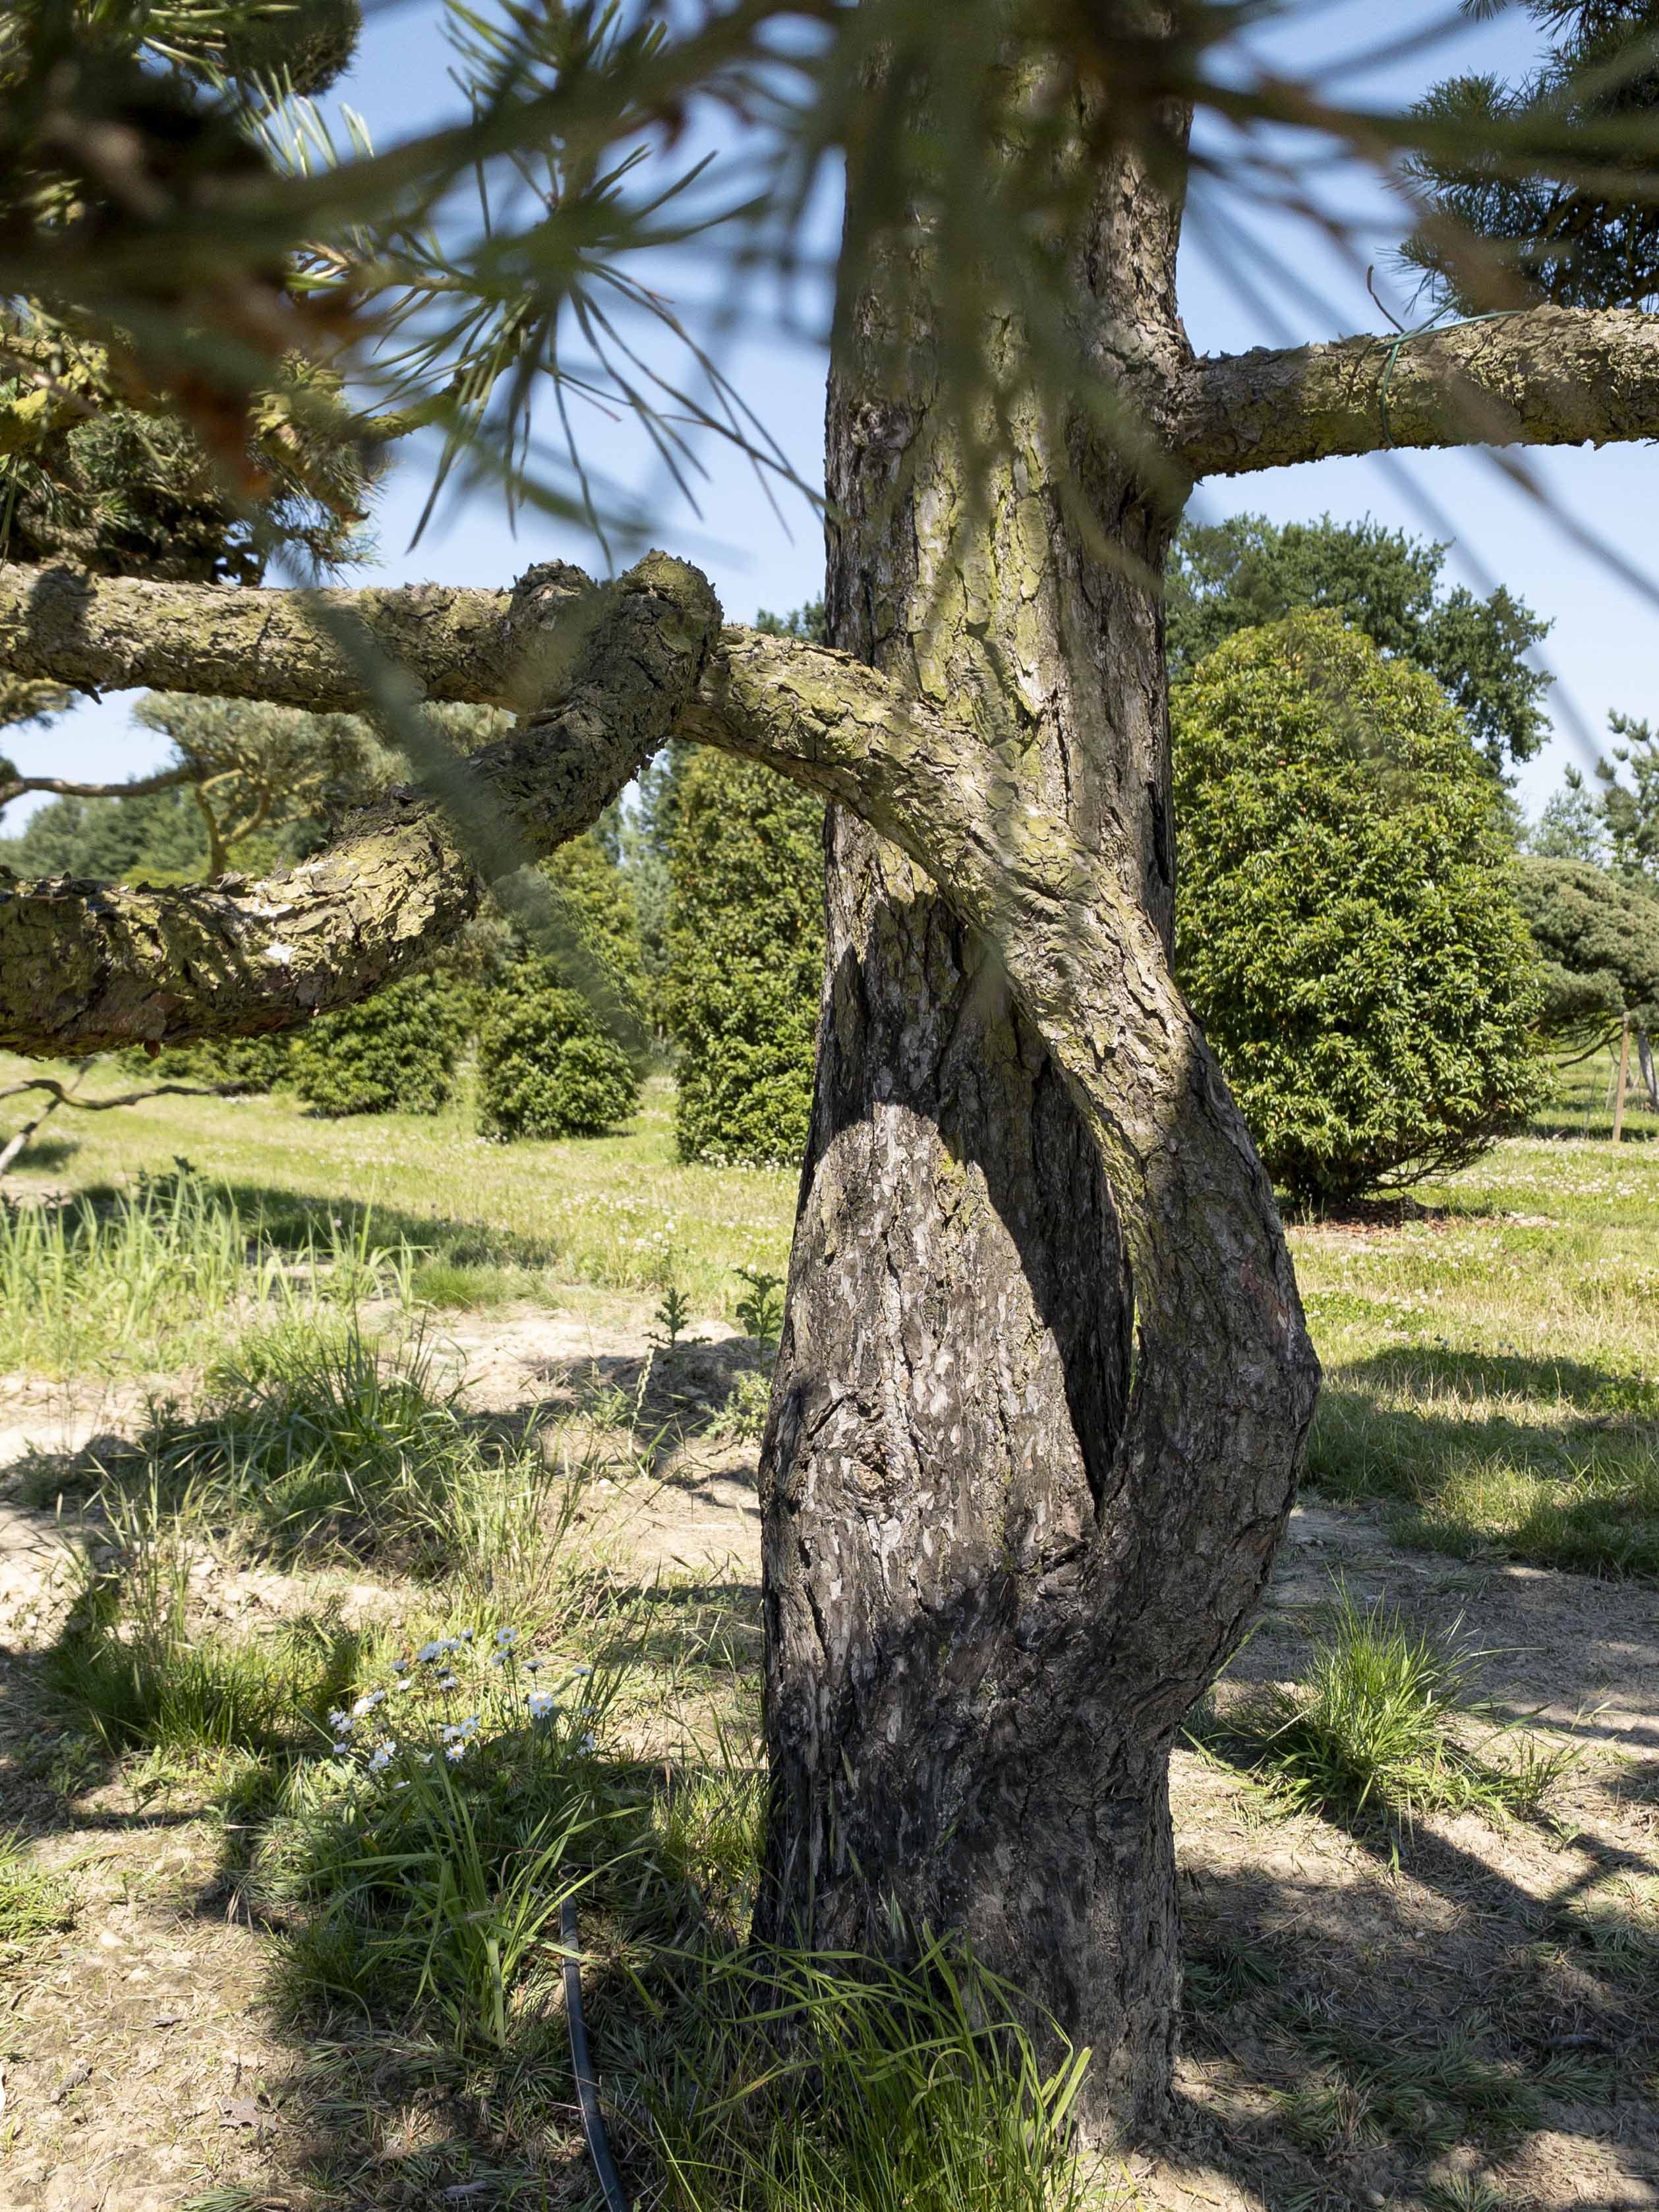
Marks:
<point>975,1662</point>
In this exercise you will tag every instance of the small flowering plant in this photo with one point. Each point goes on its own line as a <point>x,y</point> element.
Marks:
<point>457,1694</point>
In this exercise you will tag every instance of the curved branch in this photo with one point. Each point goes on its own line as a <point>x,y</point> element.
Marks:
<point>86,967</point>
<point>1547,376</point>
<point>167,779</point>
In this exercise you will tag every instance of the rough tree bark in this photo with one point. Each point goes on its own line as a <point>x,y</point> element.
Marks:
<point>951,1743</point>
<point>1045,1382</point>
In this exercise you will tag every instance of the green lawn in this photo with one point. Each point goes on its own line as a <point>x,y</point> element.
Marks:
<point>1492,1358</point>
<point>619,1213</point>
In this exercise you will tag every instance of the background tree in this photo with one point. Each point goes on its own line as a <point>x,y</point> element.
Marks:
<point>394,1054</point>
<point>1577,242</point>
<point>745,960</point>
<point>1043,1383</point>
<point>738,855</point>
<point>1237,574</point>
<point>546,1068</point>
<point>1346,924</point>
<point>1598,943</point>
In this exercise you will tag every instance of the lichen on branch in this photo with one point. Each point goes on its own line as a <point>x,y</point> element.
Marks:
<point>1541,376</point>
<point>87,967</point>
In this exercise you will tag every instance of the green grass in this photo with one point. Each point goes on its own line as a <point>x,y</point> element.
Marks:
<point>1377,1728</point>
<point>325,1441</point>
<point>483,1222</point>
<point>133,1664</point>
<point>1491,1368</point>
<point>34,1900</point>
<point>1492,1371</point>
<point>148,1277</point>
<point>785,2083</point>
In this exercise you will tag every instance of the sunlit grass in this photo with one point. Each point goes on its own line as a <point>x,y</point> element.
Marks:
<point>1378,1727</point>
<point>616,1214</point>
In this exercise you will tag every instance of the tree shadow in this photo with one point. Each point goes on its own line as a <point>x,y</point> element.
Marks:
<point>1430,2024</point>
<point>1548,1460</point>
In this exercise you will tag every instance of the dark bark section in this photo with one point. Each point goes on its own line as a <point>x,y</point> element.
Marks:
<point>1546,376</point>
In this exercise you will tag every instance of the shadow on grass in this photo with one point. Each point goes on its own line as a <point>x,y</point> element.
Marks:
<point>1337,2052</point>
<point>1550,1461</point>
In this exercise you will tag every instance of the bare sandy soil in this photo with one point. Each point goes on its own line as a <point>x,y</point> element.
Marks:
<point>1339,1981</point>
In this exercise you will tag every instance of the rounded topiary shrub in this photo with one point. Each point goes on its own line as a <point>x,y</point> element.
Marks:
<point>393,1054</point>
<point>253,1064</point>
<point>744,959</point>
<point>545,1066</point>
<point>1347,924</point>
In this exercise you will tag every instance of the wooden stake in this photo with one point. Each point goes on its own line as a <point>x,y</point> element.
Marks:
<point>1624,1070</point>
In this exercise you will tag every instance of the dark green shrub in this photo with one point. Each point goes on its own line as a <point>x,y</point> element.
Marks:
<point>1598,942</point>
<point>745,945</point>
<point>393,1054</point>
<point>1346,925</point>
<point>545,1066</point>
<point>251,1063</point>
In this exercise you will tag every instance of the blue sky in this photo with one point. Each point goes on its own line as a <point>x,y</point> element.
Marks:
<point>1601,647</point>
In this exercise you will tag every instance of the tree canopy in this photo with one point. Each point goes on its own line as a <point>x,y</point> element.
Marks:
<point>1347,928</point>
<point>1598,943</point>
<point>1236,574</point>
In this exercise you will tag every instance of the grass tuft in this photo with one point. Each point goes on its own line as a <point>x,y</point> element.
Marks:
<point>35,1901</point>
<point>1377,1728</point>
<point>786,2082</point>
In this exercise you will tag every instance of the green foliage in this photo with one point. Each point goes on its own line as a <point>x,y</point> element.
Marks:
<point>760,1310</point>
<point>1598,945</point>
<point>159,838</point>
<point>596,902</point>
<point>1376,1728</point>
<point>745,937</point>
<point>1237,574</point>
<point>432,1856</point>
<point>393,1054</point>
<point>146,1279</point>
<point>263,776</point>
<point>1584,240</point>
<point>913,2088</point>
<point>545,1066</point>
<point>1347,925</point>
<point>254,1065</point>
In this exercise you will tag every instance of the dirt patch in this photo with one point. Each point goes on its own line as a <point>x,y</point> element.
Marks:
<point>1372,2018</point>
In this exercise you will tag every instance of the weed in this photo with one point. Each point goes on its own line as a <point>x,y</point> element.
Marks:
<point>325,1440</point>
<point>1374,1728</point>
<point>1212,1980</point>
<point>1426,2094</point>
<point>147,1277</point>
<point>759,1310</point>
<point>790,2083</point>
<point>131,1662</point>
<point>742,1418</point>
<point>672,1317</point>
<point>33,1901</point>
<point>432,1850</point>
<point>1464,2192</point>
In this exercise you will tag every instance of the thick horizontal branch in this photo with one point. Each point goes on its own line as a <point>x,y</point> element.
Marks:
<point>85,967</point>
<point>119,633</point>
<point>1547,376</point>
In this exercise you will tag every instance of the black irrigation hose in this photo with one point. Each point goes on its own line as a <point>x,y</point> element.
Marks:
<point>581,2065</point>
